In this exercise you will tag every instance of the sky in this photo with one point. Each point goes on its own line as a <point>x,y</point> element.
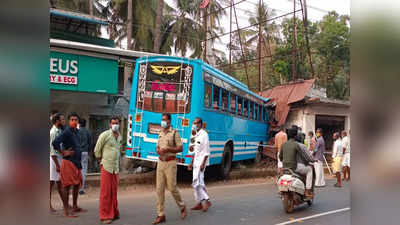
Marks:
<point>316,10</point>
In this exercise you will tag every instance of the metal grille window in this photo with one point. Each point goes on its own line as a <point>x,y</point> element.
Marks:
<point>167,87</point>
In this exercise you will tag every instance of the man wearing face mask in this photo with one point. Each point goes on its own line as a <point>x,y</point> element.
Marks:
<point>169,143</point>
<point>199,163</point>
<point>108,152</point>
<point>70,169</point>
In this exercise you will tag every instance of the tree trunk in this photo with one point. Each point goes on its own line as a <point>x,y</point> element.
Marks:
<point>129,26</point>
<point>157,31</point>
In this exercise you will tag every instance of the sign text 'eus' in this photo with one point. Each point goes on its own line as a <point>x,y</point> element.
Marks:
<point>63,71</point>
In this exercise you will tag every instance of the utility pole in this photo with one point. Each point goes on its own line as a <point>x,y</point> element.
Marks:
<point>241,47</point>
<point>91,7</point>
<point>294,67</point>
<point>157,32</point>
<point>129,26</point>
<point>206,30</point>
<point>305,24</point>
<point>230,39</point>
<point>259,47</point>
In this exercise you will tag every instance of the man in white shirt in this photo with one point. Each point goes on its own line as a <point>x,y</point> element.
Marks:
<point>55,156</point>
<point>346,156</point>
<point>201,148</point>
<point>337,158</point>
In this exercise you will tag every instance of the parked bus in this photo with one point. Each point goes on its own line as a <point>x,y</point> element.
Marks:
<point>235,118</point>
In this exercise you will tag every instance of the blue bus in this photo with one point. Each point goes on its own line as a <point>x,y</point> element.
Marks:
<point>235,118</point>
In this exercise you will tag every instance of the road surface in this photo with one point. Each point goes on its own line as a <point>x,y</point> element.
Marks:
<point>247,204</point>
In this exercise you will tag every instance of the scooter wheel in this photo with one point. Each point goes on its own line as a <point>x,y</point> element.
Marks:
<point>288,203</point>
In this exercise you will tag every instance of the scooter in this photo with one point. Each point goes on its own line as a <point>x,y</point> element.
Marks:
<point>292,188</point>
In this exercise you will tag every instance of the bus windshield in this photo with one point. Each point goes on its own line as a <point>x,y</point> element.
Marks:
<point>164,87</point>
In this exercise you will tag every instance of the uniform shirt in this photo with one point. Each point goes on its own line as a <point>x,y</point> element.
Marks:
<point>54,132</point>
<point>337,149</point>
<point>346,144</point>
<point>69,138</point>
<point>319,149</point>
<point>109,150</point>
<point>280,138</point>
<point>201,148</point>
<point>169,139</point>
<point>86,139</point>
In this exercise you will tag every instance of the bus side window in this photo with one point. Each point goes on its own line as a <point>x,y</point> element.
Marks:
<point>251,110</point>
<point>256,111</point>
<point>233,103</point>
<point>224,100</point>
<point>261,113</point>
<point>216,98</point>
<point>239,106</point>
<point>245,108</point>
<point>207,95</point>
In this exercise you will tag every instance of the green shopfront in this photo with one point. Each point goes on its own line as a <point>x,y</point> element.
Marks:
<point>86,85</point>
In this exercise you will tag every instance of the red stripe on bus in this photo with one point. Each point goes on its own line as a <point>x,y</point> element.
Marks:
<point>129,148</point>
<point>189,156</point>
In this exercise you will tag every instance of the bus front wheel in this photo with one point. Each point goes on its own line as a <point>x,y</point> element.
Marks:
<point>226,164</point>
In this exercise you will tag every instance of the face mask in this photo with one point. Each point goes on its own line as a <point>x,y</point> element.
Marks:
<point>78,127</point>
<point>164,124</point>
<point>115,127</point>
<point>194,127</point>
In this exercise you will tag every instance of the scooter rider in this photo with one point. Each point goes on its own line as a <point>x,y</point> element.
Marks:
<point>297,158</point>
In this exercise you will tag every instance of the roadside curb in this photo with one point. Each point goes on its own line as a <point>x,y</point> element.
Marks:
<point>150,177</point>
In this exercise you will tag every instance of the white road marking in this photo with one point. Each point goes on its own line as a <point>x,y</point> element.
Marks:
<point>314,216</point>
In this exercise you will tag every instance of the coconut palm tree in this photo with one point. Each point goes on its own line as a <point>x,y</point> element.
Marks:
<point>185,30</point>
<point>269,30</point>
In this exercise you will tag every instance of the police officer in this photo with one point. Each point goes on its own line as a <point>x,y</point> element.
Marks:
<point>169,143</point>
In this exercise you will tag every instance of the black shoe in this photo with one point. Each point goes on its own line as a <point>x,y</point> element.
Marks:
<point>81,192</point>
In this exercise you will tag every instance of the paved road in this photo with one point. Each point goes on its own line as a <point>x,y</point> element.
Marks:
<point>247,204</point>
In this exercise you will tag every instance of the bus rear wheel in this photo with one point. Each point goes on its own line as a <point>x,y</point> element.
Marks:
<point>226,164</point>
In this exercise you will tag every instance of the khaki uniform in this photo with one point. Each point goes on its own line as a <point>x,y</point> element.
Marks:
<point>166,171</point>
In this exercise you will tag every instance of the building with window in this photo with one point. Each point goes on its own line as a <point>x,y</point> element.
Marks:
<point>306,105</point>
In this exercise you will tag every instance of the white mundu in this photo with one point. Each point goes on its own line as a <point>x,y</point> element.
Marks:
<point>201,150</point>
<point>346,156</point>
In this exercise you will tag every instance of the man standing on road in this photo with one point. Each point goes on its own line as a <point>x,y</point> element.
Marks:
<point>86,144</point>
<point>346,156</point>
<point>108,152</point>
<point>297,159</point>
<point>311,142</point>
<point>55,156</point>
<point>70,169</point>
<point>337,158</point>
<point>280,138</point>
<point>199,163</point>
<point>318,153</point>
<point>169,143</point>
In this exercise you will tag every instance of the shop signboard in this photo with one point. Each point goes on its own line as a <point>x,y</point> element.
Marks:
<point>83,73</point>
